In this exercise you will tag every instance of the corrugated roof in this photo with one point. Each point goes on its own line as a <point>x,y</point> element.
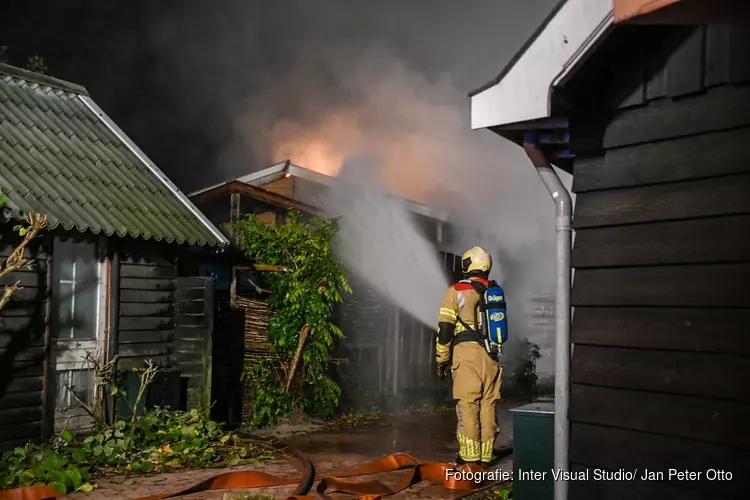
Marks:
<point>61,155</point>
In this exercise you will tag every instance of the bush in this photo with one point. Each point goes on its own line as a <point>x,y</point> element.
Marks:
<point>158,441</point>
<point>303,296</point>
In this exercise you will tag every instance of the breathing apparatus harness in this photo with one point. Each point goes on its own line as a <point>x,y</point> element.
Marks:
<point>491,308</point>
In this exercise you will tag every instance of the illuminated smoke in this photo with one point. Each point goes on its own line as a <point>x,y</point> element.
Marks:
<point>324,82</point>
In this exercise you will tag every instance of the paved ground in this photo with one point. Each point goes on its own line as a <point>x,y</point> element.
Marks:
<point>426,436</point>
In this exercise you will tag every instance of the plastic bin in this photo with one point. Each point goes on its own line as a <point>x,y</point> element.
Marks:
<point>533,451</point>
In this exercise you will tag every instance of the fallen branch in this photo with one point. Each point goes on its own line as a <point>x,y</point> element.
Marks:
<point>91,411</point>
<point>303,334</point>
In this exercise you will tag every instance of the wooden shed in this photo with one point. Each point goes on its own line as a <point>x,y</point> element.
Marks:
<point>104,278</point>
<point>385,352</point>
<point>653,121</point>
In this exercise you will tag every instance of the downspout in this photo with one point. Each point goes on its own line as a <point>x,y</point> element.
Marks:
<point>563,230</point>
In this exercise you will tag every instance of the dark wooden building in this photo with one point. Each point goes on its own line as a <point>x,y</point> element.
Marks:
<point>654,123</point>
<point>386,354</point>
<point>104,277</point>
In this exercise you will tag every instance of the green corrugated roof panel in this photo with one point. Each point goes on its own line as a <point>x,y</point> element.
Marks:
<point>60,155</point>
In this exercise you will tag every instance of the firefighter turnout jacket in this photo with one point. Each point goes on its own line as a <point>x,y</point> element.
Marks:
<point>460,301</point>
<point>476,375</point>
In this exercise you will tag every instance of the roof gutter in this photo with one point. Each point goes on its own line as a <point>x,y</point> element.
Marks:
<point>112,126</point>
<point>563,230</point>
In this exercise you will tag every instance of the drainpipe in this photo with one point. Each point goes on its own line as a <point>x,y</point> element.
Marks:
<point>563,212</point>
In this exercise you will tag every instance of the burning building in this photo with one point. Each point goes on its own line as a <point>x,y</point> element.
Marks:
<point>386,352</point>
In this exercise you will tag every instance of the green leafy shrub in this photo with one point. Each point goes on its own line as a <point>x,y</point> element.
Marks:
<point>304,294</point>
<point>264,388</point>
<point>527,377</point>
<point>158,441</point>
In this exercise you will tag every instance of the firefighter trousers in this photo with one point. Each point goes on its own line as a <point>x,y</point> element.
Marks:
<point>476,388</point>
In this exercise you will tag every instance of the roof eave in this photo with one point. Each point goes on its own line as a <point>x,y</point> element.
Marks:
<point>523,92</point>
<point>221,240</point>
<point>521,51</point>
<point>267,175</point>
<point>255,192</point>
<point>257,179</point>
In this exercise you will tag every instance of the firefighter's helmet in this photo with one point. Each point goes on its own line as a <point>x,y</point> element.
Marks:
<point>476,259</point>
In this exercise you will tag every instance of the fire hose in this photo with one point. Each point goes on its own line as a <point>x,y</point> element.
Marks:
<point>435,472</point>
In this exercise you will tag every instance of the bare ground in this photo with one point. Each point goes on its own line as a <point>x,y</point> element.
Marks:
<point>428,436</point>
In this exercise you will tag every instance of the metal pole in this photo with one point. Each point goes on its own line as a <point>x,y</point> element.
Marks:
<point>563,230</point>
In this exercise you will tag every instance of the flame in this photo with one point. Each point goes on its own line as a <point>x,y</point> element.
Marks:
<point>311,152</point>
<point>407,160</point>
<point>322,147</point>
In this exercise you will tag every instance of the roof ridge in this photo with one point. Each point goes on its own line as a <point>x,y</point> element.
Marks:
<point>38,78</point>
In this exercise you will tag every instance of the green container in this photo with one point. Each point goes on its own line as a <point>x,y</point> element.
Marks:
<point>533,451</point>
<point>130,382</point>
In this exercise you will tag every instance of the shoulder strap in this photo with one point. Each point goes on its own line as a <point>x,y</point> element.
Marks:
<point>479,288</point>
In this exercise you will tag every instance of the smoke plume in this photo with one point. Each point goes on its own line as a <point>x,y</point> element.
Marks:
<point>417,134</point>
<point>324,83</point>
<point>379,241</point>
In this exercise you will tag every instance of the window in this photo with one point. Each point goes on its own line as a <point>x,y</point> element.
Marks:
<point>79,381</point>
<point>75,276</point>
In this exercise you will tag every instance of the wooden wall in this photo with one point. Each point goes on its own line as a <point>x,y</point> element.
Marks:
<point>145,328</point>
<point>22,351</point>
<point>388,353</point>
<point>166,319</point>
<point>661,323</point>
<point>284,186</point>
<point>148,299</point>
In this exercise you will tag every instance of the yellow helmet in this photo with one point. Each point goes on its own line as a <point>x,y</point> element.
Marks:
<point>476,259</point>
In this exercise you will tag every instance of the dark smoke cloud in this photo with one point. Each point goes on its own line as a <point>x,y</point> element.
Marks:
<point>270,61</point>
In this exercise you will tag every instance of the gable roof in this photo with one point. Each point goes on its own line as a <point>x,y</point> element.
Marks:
<point>257,193</point>
<point>522,92</point>
<point>61,155</point>
<point>287,168</point>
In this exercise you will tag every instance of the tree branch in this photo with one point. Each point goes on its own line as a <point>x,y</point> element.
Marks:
<point>8,293</point>
<point>304,332</point>
<point>80,401</point>
<point>36,223</point>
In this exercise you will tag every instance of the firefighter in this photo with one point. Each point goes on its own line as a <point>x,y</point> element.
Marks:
<point>476,372</point>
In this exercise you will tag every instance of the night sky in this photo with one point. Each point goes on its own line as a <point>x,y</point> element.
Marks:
<point>198,84</point>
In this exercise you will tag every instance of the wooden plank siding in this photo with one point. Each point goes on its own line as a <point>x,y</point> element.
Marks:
<point>662,262</point>
<point>22,349</point>
<point>194,304</point>
<point>146,311</point>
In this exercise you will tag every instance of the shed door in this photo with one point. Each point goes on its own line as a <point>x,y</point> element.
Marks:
<point>77,326</point>
<point>194,316</point>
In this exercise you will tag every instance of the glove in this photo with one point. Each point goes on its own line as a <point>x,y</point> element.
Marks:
<point>442,369</point>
